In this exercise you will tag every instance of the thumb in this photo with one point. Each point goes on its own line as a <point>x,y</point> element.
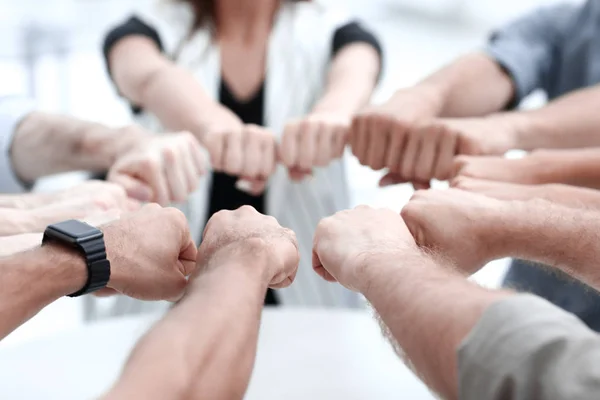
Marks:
<point>421,185</point>
<point>252,186</point>
<point>135,188</point>
<point>391,179</point>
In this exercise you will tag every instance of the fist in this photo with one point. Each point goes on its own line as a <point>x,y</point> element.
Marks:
<point>346,244</point>
<point>247,152</point>
<point>530,170</point>
<point>151,253</point>
<point>378,135</point>
<point>462,226</point>
<point>313,141</point>
<point>245,233</point>
<point>162,169</point>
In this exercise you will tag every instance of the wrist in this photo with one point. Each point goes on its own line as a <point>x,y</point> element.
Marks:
<point>510,129</point>
<point>66,268</point>
<point>251,255</point>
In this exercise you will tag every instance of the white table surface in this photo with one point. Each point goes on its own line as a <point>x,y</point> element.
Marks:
<point>302,354</point>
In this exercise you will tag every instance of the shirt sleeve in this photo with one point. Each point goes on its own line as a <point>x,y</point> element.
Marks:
<point>527,47</point>
<point>12,112</point>
<point>354,32</point>
<point>526,348</point>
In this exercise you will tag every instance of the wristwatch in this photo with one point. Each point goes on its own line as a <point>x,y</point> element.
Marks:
<point>89,241</point>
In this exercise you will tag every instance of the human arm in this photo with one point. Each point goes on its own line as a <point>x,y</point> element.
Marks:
<point>372,252</point>
<point>472,229</point>
<point>567,195</point>
<point>151,252</point>
<point>573,167</point>
<point>213,330</point>
<point>321,137</point>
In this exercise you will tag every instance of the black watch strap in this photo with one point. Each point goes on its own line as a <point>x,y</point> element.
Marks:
<point>97,265</point>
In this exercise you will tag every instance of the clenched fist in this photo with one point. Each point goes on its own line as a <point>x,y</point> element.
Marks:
<point>246,234</point>
<point>313,141</point>
<point>162,169</point>
<point>246,151</point>
<point>151,253</point>
<point>378,135</point>
<point>348,242</point>
<point>464,227</point>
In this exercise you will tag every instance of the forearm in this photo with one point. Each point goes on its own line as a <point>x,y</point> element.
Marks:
<point>351,80</point>
<point>46,144</point>
<point>474,85</point>
<point>570,196</point>
<point>33,279</point>
<point>571,121</point>
<point>411,296</point>
<point>562,237</point>
<point>213,333</point>
<point>10,245</point>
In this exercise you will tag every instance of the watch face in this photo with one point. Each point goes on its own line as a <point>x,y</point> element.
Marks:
<point>77,230</point>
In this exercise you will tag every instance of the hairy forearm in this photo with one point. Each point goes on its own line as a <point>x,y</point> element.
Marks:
<point>411,295</point>
<point>474,85</point>
<point>562,237</point>
<point>571,121</point>
<point>46,144</point>
<point>213,334</point>
<point>570,196</point>
<point>351,80</point>
<point>33,279</point>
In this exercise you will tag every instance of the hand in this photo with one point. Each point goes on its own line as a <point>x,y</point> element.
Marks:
<point>529,170</point>
<point>467,228</point>
<point>313,141</point>
<point>346,244</point>
<point>83,201</point>
<point>245,234</point>
<point>432,145</point>
<point>379,134</point>
<point>151,253</point>
<point>162,169</point>
<point>247,152</point>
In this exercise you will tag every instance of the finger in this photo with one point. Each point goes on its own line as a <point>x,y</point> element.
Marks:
<point>446,151</point>
<point>269,152</point>
<point>155,178</point>
<point>234,153</point>
<point>353,134</point>
<point>189,168</point>
<point>297,174</point>
<point>306,146</point>
<point>288,149</point>
<point>197,153</point>
<point>379,139</point>
<point>175,174</point>
<point>134,188</point>
<point>425,158</point>
<point>253,154</point>
<point>407,165</point>
<point>391,179</point>
<point>339,141</point>
<point>459,163</point>
<point>396,147</point>
<point>421,185</point>
<point>363,140</point>
<point>216,145</point>
<point>324,136</point>
<point>105,292</point>
<point>252,186</point>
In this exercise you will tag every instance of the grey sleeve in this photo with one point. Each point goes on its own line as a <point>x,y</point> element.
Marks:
<point>526,348</point>
<point>527,47</point>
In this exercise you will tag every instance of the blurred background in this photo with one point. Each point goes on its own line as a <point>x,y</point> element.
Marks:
<point>50,50</point>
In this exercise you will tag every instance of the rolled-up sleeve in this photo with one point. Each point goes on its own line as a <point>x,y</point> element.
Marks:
<point>527,47</point>
<point>12,112</point>
<point>526,348</point>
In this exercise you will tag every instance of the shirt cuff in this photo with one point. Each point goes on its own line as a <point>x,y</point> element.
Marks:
<point>500,347</point>
<point>12,112</point>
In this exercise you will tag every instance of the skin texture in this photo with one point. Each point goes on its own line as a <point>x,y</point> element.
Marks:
<point>472,229</point>
<point>151,253</point>
<point>400,135</point>
<point>150,168</point>
<point>243,253</point>
<point>373,252</point>
<point>149,79</point>
<point>573,167</point>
